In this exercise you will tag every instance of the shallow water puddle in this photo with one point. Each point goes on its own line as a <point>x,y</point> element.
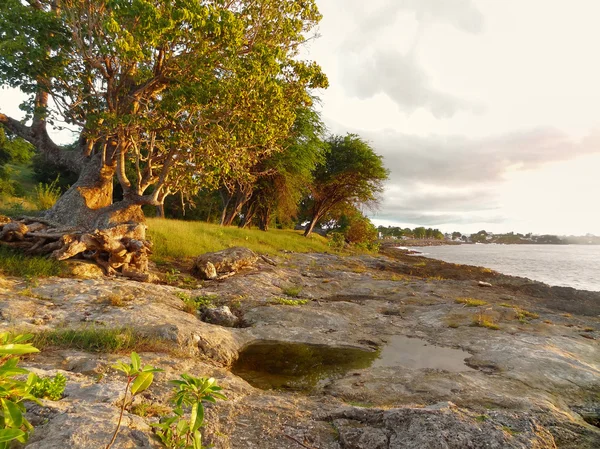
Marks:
<point>299,366</point>
<point>415,353</point>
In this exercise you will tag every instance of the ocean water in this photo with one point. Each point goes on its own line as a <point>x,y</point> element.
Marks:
<point>576,266</point>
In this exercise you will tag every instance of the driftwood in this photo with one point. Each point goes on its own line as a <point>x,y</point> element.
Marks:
<point>120,249</point>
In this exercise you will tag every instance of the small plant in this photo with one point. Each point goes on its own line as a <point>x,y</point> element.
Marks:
<point>191,305</point>
<point>148,409</point>
<point>45,195</point>
<point>172,275</point>
<point>420,265</point>
<point>48,387</point>
<point>293,291</point>
<point>138,379</point>
<point>470,302</point>
<point>13,392</point>
<point>482,418</point>
<point>481,319</point>
<point>289,302</point>
<point>179,432</point>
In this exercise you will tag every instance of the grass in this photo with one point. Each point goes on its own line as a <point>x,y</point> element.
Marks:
<point>483,320</point>
<point>470,302</point>
<point>293,291</point>
<point>181,239</point>
<point>420,265</point>
<point>150,409</point>
<point>15,263</point>
<point>290,302</point>
<point>93,339</point>
<point>521,314</point>
<point>191,305</point>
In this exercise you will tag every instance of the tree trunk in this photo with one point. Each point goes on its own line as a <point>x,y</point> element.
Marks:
<point>310,227</point>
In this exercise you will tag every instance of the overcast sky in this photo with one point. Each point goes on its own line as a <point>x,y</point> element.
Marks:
<point>487,112</point>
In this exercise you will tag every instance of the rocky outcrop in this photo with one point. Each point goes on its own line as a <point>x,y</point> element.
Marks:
<point>211,265</point>
<point>441,426</point>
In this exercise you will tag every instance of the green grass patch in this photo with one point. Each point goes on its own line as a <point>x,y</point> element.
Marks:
<point>181,239</point>
<point>16,263</point>
<point>94,339</point>
<point>483,320</point>
<point>192,305</point>
<point>470,302</point>
<point>289,302</point>
<point>293,291</point>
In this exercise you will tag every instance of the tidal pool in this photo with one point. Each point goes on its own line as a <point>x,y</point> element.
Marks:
<point>416,353</point>
<point>300,366</point>
<point>297,366</point>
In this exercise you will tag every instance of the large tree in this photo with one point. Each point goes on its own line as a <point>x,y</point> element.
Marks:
<point>351,173</point>
<point>168,95</point>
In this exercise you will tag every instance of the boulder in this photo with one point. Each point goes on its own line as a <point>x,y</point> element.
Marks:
<point>221,316</point>
<point>211,265</point>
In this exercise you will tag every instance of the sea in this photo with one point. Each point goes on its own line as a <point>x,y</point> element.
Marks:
<point>576,266</point>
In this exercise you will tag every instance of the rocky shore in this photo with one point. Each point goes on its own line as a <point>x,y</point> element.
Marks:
<point>492,361</point>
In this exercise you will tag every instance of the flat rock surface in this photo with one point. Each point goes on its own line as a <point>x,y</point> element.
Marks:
<point>522,384</point>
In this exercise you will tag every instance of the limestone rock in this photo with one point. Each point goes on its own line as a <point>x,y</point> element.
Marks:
<point>221,316</point>
<point>437,428</point>
<point>209,265</point>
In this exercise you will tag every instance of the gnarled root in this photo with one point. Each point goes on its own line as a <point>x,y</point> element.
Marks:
<point>120,249</point>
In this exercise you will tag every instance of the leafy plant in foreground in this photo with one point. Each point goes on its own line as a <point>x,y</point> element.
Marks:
<point>179,432</point>
<point>138,380</point>
<point>13,392</point>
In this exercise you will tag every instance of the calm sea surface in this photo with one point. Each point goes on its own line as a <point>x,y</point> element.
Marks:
<point>575,266</point>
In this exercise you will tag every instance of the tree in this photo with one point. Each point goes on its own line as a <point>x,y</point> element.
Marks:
<point>168,96</point>
<point>351,173</point>
<point>287,174</point>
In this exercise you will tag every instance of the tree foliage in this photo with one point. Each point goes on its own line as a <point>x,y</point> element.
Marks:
<point>351,173</point>
<point>186,94</point>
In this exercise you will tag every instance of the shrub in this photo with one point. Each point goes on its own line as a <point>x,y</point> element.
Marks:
<point>14,392</point>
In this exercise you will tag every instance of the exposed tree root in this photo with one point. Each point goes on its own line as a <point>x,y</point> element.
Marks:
<point>120,249</point>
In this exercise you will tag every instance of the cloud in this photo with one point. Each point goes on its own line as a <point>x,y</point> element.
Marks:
<point>462,14</point>
<point>458,161</point>
<point>401,78</point>
<point>372,63</point>
<point>451,179</point>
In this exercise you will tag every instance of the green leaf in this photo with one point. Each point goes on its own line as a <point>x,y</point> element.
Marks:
<point>196,416</point>
<point>10,434</point>
<point>141,382</point>
<point>136,363</point>
<point>197,441</point>
<point>17,349</point>
<point>12,414</point>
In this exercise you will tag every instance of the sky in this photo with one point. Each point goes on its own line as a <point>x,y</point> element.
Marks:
<point>487,112</point>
